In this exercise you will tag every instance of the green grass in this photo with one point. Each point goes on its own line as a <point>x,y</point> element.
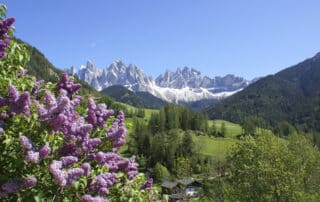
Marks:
<point>232,129</point>
<point>209,146</point>
<point>215,147</point>
<point>148,112</point>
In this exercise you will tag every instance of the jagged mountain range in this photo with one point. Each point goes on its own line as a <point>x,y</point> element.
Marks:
<point>182,86</point>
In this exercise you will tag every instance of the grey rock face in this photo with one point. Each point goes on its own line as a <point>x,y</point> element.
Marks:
<point>185,84</point>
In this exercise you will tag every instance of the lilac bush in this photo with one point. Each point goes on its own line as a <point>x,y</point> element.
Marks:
<point>49,151</point>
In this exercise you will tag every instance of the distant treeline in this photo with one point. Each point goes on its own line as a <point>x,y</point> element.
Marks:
<point>173,116</point>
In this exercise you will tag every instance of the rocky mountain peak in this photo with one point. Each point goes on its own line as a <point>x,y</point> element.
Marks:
<point>90,66</point>
<point>117,66</point>
<point>183,85</point>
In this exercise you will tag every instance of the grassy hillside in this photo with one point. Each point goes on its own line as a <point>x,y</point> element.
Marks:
<point>209,146</point>
<point>232,129</point>
<point>215,147</point>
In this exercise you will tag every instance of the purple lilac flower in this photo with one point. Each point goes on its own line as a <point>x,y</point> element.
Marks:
<point>4,36</point>
<point>86,168</point>
<point>68,149</point>
<point>58,175</point>
<point>3,194</point>
<point>16,185</point>
<point>58,113</point>
<point>22,105</point>
<point>65,178</point>
<point>11,187</point>
<point>49,100</point>
<point>88,198</point>
<point>103,191</point>
<point>3,102</point>
<point>109,159</point>
<point>76,101</point>
<point>148,184</point>
<point>25,143</point>
<point>102,182</point>
<point>29,182</point>
<point>44,151</point>
<point>79,127</point>
<point>132,169</point>
<point>35,89</point>
<point>98,114</point>
<point>73,175</point>
<point>68,160</point>
<point>117,132</point>
<point>90,144</point>
<point>67,85</point>
<point>22,73</point>
<point>32,157</point>
<point>13,94</point>
<point>117,163</point>
<point>19,103</point>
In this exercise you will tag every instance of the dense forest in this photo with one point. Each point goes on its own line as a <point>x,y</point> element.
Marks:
<point>292,95</point>
<point>136,99</point>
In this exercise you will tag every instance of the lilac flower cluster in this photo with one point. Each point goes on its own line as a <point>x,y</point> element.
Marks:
<point>35,89</point>
<point>3,102</point>
<point>98,114</point>
<point>148,184</point>
<point>16,185</point>
<point>116,163</point>
<point>102,182</point>
<point>86,168</point>
<point>131,167</point>
<point>32,155</point>
<point>58,113</point>
<point>88,198</point>
<point>65,177</point>
<point>118,132</point>
<point>22,73</point>
<point>67,85</point>
<point>5,26</point>
<point>44,151</point>
<point>18,103</point>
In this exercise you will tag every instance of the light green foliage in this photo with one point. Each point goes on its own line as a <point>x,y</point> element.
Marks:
<point>182,167</point>
<point>270,169</point>
<point>161,172</point>
<point>130,191</point>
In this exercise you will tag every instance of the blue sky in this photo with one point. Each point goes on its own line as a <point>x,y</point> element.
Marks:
<point>246,38</point>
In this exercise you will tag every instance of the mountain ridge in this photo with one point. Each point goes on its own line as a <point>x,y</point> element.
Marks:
<point>292,95</point>
<point>137,99</point>
<point>182,86</point>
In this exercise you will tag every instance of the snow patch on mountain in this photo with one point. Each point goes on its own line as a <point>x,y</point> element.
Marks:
<point>184,85</point>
